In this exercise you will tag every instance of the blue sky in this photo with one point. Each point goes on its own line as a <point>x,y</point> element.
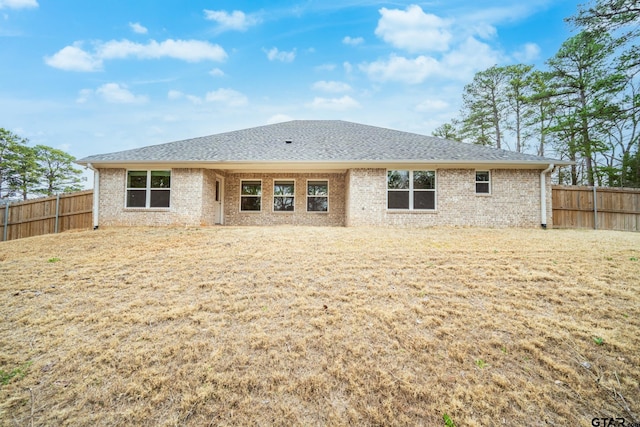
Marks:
<point>99,76</point>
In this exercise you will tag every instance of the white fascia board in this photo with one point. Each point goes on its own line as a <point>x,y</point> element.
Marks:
<point>326,166</point>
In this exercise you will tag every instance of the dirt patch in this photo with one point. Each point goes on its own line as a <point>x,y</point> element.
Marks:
<point>320,326</point>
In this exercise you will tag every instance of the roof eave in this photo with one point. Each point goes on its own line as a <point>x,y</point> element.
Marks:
<point>322,164</point>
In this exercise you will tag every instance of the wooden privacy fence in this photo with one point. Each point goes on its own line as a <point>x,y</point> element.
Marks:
<point>600,208</point>
<point>47,215</point>
<point>573,207</point>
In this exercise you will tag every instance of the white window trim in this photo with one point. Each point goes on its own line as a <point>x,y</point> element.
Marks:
<point>475,189</point>
<point>147,202</point>
<point>273,198</point>
<point>261,196</point>
<point>411,190</point>
<point>306,190</point>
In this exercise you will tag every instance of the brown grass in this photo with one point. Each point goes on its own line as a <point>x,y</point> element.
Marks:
<point>320,326</point>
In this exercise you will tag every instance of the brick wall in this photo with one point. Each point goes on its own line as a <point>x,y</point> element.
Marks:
<point>356,198</point>
<point>367,200</point>
<point>514,200</point>
<point>186,207</point>
<point>208,197</point>
<point>334,217</point>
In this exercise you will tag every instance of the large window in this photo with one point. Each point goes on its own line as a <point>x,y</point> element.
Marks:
<point>148,189</point>
<point>317,196</point>
<point>250,195</point>
<point>283,196</point>
<point>411,190</point>
<point>483,182</point>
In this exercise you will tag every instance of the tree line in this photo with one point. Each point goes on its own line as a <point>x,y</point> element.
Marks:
<point>29,171</point>
<point>584,107</point>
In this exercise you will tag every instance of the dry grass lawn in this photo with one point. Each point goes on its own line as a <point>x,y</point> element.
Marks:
<point>319,326</point>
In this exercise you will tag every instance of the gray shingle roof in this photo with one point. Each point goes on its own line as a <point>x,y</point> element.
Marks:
<point>315,140</point>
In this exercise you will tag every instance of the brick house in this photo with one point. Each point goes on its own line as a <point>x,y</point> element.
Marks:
<point>330,173</point>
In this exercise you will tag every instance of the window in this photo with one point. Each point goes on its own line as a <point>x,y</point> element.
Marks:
<point>283,196</point>
<point>250,195</point>
<point>148,189</point>
<point>317,196</point>
<point>483,182</point>
<point>412,190</point>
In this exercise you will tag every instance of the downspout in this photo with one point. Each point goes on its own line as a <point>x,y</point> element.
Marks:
<point>543,195</point>
<point>96,195</point>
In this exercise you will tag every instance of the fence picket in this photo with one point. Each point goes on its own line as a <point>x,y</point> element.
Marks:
<point>600,207</point>
<point>47,215</point>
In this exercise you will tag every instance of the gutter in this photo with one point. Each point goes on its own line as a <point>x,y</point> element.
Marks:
<point>96,195</point>
<point>543,195</point>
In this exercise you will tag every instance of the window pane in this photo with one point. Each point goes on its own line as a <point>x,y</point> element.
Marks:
<point>424,180</point>
<point>159,198</point>
<point>482,176</point>
<point>398,180</point>
<point>398,199</point>
<point>160,179</point>
<point>482,187</point>
<point>283,188</point>
<point>317,204</point>
<point>251,188</point>
<point>137,179</point>
<point>136,198</point>
<point>283,204</point>
<point>248,203</point>
<point>424,200</point>
<point>317,188</point>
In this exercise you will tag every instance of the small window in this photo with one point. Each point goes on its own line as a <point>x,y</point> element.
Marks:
<point>411,190</point>
<point>148,189</point>
<point>317,196</point>
<point>483,182</point>
<point>250,195</point>
<point>283,196</point>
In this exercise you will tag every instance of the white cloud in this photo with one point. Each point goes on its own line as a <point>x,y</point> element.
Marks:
<point>236,20</point>
<point>194,99</point>
<point>175,94</point>
<point>353,41</point>
<point>348,68</point>
<point>278,118</point>
<point>216,72</point>
<point>73,58</point>
<point>137,28</point>
<point>462,63</point>
<point>227,96</point>
<point>117,94</point>
<point>529,52</point>
<point>337,104</point>
<point>18,4</point>
<point>401,69</point>
<point>186,50</point>
<point>276,55</point>
<point>84,95</point>
<point>413,30</point>
<point>469,58</point>
<point>431,106</point>
<point>483,30</point>
<point>326,67</point>
<point>332,86</point>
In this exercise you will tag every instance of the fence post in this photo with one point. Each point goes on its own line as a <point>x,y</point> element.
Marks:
<point>55,227</point>
<point>6,222</point>
<point>595,208</point>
